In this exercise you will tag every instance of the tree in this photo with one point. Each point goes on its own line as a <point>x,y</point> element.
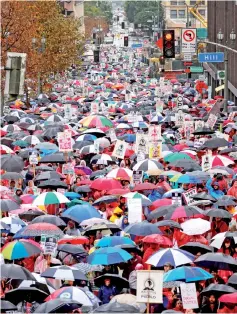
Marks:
<point>98,8</point>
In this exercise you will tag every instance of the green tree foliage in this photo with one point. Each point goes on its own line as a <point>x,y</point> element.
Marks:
<point>98,8</point>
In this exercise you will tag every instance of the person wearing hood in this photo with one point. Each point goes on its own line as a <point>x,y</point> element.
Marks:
<point>163,184</point>
<point>214,189</point>
<point>117,213</point>
<point>233,190</point>
<point>107,291</point>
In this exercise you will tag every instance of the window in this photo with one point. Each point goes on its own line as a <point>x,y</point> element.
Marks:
<point>181,14</point>
<point>173,14</point>
<point>182,2</point>
<point>193,2</point>
<point>173,3</point>
<point>202,12</point>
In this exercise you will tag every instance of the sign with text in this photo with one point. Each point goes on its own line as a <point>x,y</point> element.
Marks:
<point>211,121</point>
<point>188,196</point>
<point>65,141</point>
<point>137,176</point>
<point>199,124</point>
<point>154,132</point>
<point>179,119</point>
<point>150,286</point>
<point>189,295</point>
<point>206,162</point>
<point>176,198</point>
<point>155,150</point>
<point>142,142</point>
<point>189,40</point>
<point>120,149</point>
<point>49,244</point>
<point>68,111</point>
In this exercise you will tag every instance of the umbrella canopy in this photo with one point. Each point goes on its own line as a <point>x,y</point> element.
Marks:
<point>217,290</point>
<point>232,281</point>
<point>148,165</point>
<point>64,273</point>
<point>79,213</point>
<point>20,249</point>
<point>112,241</point>
<point>158,239</point>
<point>108,256</point>
<point>214,143</point>
<point>51,219</point>
<point>6,205</point>
<point>143,228</point>
<point>48,198</point>
<point>105,184</point>
<point>196,226</point>
<point>175,212</point>
<point>58,306</point>
<point>7,307</point>
<point>196,247</point>
<point>71,249</point>
<point>15,272</point>
<point>116,307</point>
<point>229,298</point>
<point>116,280</point>
<point>187,274</point>
<point>219,238</point>
<point>216,260</point>
<point>86,268</point>
<point>37,229</point>
<point>12,163</point>
<point>28,294</point>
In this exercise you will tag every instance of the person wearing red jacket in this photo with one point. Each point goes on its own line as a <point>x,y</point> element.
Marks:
<point>218,226</point>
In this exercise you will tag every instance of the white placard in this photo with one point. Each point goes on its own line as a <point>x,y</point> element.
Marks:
<point>49,243</point>
<point>142,142</point>
<point>188,196</point>
<point>179,119</point>
<point>65,141</point>
<point>199,124</point>
<point>68,111</point>
<point>189,295</point>
<point>134,210</point>
<point>180,102</point>
<point>120,149</point>
<point>206,162</point>
<point>150,286</point>
<point>211,121</point>
<point>112,135</point>
<point>176,198</point>
<point>33,159</point>
<point>137,176</point>
<point>140,156</point>
<point>94,107</point>
<point>159,106</point>
<point>154,132</point>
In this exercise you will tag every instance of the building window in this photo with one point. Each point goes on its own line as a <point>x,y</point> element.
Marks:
<point>173,3</point>
<point>202,12</point>
<point>193,2</point>
<point>173,14</point>
<point>182,2</point>
<point>181,14</point>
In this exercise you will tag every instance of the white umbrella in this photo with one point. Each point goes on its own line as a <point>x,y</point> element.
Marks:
<point>219,238</point>
<point>196,226</point>
<point>92,221</point>
<point>38,278</point>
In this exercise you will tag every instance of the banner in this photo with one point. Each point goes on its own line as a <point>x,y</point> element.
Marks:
<point>188,196</point>
<point>120,149</point>
<point>206,162</point>
<point>155,150</point>
<point>137,176</point>
<point>150,286</point>
<point>65,141</point>
<point>154,133</point>
<point>189,295</point>
<point>142,142</point>
<point>134,210</point>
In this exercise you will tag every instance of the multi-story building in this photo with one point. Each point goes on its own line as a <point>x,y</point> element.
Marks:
<point>74,8</point>
<point>177,14</point>
<point>222,15</point>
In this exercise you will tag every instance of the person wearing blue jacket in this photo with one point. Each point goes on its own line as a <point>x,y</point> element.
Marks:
<point>214,189</point>
<point>107,291</point>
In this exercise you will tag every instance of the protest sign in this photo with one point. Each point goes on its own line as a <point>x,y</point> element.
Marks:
<point>134,210</point>
<point>112,135</point>
<point>94,107</point>
<point>159,106</point>
<point>179,119</point>
<point>211,121</point>
<point>142,142</point>
<point>140,156</point>
<point>150,286</point>
<point>158,91</point>
<point>49,244</point>
<point>189,295</point>
<point>65,141</point>
<point>155,150</point>
<point>176,198</point>
<point>188,196</point>
<point>33,159</point>
<point>67,111</point>
<point>206,162</point>
<point>199,124</point>
<point>154,133</point>
<point>68,168</point>
<point>137,176</point>
<point>188,128</point>
<point>119,149</point>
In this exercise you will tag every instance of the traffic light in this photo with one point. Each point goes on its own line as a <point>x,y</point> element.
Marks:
<point>123,25</point>
<point>162,60</point>
<point>168,44</point>
<point>94,35</point>
<point>96,56</point>
<point>125,42</point>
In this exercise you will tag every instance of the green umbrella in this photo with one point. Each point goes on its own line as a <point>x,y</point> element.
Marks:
<point>76,202</point>
<point>21,143</point>
<point>176,156</point>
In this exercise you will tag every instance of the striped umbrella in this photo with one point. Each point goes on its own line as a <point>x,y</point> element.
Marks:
<point>96,121</point>
<point>86,268</point>
<point>145,201</point>
<point>38,229</point>
<point>220,160</point>
<point>48,198</point>
<point>20,249</point>
<point>120,174</point>
<point>64,273</point>
<point>148,164</point>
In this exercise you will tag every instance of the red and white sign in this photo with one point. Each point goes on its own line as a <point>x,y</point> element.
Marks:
<point>189,40</point>
<point>65,141</point>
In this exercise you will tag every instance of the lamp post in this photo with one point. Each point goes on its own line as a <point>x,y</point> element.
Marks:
<point>39,50</point>
<point>220,37</point>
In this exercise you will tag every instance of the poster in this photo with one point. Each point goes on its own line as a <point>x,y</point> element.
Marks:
<point>154,133</point>
<point>199,124</point>
<point>155,150</point>
<point>179,119</point>
<point>134,210</point>
<point>211,121</point>
<point>33,159</point>
<point>188,196</point>
<point>188,129</point>
<point>176,198</point>
<point>96,147</point>
<point>65,141</point>
<point>137,176</point>
<point>206,162</point>
<point>49,244</point>
<point>189,295</point>
<point>150,286</point>
<point>142,142</point>
<point>140,156</point>
<point>68,168</point>
<point>159,106</point>
<point>67,111</point>
<point>120,149</point>
<point>94,107</point>
<point>112,135</point>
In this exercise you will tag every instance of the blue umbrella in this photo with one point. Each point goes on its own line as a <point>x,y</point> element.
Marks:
<point>130,138</point>
<point>72,195</point>
<point>79,213</point>
<point>112,241</point>
<point>187,178</point>
<point>187,274</point>
<point>143,228</point>
<point>108,256</point>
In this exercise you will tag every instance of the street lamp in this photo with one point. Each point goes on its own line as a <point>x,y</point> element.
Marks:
<point>39,50</point>
<point>232,35</point>
<point>220,35</point>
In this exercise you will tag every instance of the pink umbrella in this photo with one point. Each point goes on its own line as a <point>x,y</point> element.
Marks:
<point>27,198</point>
<point>159,203</point>
<point>105,184</point>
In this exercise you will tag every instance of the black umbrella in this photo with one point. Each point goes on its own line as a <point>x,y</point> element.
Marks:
<point>12,163</point>
<point>196,247</point>
<point>25,153</point>
<point>202,131</point>
<point>217,212</point>
<point>51,219</point>
<point>52,184</point>
<point>31,214</point>
<point>101,226</point>
<point>79,145</point>
<point>28,294</point>
<point>58,306</point>
<point>71,249</point>
<point>232,281</point>
<point>56,157</point>
<point>226,201</point>
<point>203,196</point>
<point>44,168</point>
<point>8,307</point>
<point>169,223</point>
<point>216,260</point>
<point>105,199</point>
<point>130,248</point>
<point>13,271</point>
<point>82,189</point>
<point>11,118</point>
<point>217,290</point>
<point>12,176</point>
<point>187,164</point>
<point>7,141</point>
<point>116,307</point>
<point>168,211</point>
<point>116,280</point>
<point>7,205</point>
<point>99,173</point>
<point>47,175</point>
<point>215,143</point>
<point>51,132</point>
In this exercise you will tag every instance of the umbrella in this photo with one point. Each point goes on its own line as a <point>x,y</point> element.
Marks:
<point>216,260</point>
<point>31,214</point>
<point>187,274</point>
<point>20,249</point>
<point>106,200</point>
<point>175,257</point>
<point>79,213</point>
<point>46,146</point>
<point>11,176</point>
<point>71,293</point>
<point>64,273</point>
<point>8,307</point>
<point>40,283</point>
<point>32,139</point>
<point>6,205</point>
<point>116,280</point>
<point>105,184</point>
<point>56,157</point>
<point>157,238</point>
<point>196,247</point>
<point>73,240</point>
<point>52,184</point>
<point>28,294</point>
<point>129,299</point>
<point>37,229</point>
<point>186,164</point>
<point>108,256</point>
<point>217,290</point>
<point>147,165</point>
<point>102,227</point>
<point>116,307</point>
<point>86,268</point>
<point>215,143</point>
<point>145,186</point>
<point>48,198</point>
<point>120,174</point>
<point>134,195</point>
<point>226,200</point>
<point>232,281</point>
<point>48,175</point>
<point>58,306</point>
<point>219,238</point>
<point>143,228</point>
<point>15,272</point>
<point>217,212</point>
<point>51,219</point>
<point>71,249</point>
<point>196,226</point>
<point>175,212</point>
<point>14,223</point>
<point>229,298</point>
<point>203,196</point>
<point>169,223</point>
<point>12,163</point>
<point>113,241</point>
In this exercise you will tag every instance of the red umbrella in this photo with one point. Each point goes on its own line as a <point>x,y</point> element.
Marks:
<point>27,198</point>
<point>145,186</point>
<point>76,240</point>
<point>84,182</point>
<point>159,203</point>
<point>229,298</point>
<point>2,132</point>
<point>158,239</point>
<point>118,191</point>
<point>105,184</point>
<point>180,147</point>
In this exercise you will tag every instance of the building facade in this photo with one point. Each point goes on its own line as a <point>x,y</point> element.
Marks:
<point>222,15</point>
<point>75,8</point>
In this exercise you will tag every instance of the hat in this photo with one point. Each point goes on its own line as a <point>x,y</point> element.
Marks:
<point>168,264</point>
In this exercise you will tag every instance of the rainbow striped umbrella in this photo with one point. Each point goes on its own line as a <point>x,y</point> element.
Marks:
<point>98,121</point>
<point>20,249</point>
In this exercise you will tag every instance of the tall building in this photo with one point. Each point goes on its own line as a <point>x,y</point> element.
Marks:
<point>222,15</point>
<point>177,14</point>
<point>74,8</point>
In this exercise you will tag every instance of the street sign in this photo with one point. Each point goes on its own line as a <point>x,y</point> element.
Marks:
<point>137,45</point>
<point>211,57</point>
<point>196,69</point>
<point>201,33</point>
<point>189,40</point>
<point>220,75</point>
<point>180,102</point>
<point>187,57</point>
